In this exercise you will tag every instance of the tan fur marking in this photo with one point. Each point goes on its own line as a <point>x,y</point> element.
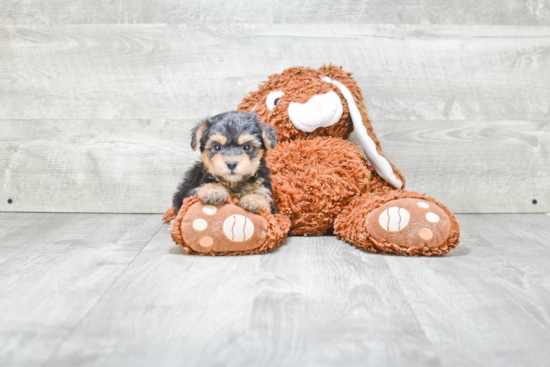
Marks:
<point>254,196</point>
<point>254,203</point>
<point>198,136</point>
<point>218,160</point>
<point>267,141</point>
<point>213,193</point>
<point>241,159</point>
<point>217,167</point>
<point>256,188</point>
<point>249,167</point>
<point>206,161</point>
<point>245,139</point>
<point>219,138</point>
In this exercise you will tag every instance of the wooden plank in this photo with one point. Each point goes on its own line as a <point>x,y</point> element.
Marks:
<point>528,238</point>
<point>488,302</point>
<point>313,302</point>
<point>407,72</point>
<point>93,166</point>
<point>135,165</point>
<point>473,166</point>
<point>509,12</point>
<point>11,224</point>
<point>53,269</point>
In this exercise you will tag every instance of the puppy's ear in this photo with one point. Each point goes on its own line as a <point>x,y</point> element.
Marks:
<point>196,134</point>
<point>269,135</point>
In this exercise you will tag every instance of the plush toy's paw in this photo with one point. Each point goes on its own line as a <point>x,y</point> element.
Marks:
<point>254,203</point>
<point>222,229</point>
<point>409,223</point>
<point>401,222</point>
<point>213,194</point>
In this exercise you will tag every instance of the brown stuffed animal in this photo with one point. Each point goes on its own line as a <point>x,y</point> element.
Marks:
<point>321,181</point>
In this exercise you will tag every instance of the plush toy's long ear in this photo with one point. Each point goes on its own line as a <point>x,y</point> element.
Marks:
<point>196,134</point>
<point>269,134</point>
<point>361,123</point>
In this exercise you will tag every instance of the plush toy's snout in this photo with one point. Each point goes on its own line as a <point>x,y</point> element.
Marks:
<point>322,110</point>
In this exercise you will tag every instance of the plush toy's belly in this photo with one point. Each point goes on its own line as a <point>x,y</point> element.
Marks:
<point>313,180</point>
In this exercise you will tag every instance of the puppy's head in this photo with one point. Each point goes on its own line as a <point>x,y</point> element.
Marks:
<point>232,144</point>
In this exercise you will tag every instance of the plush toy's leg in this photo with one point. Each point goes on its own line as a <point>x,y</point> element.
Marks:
<point>399,222</point>
<point>226,229</point>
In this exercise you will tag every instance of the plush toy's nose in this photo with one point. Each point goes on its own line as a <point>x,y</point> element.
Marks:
<point>322,110</point>
<point>317,102</point>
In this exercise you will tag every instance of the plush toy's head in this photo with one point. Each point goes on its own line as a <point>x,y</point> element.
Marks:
<point>303,103</point>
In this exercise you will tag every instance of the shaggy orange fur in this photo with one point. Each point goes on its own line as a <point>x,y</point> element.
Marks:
<point>315,179</point>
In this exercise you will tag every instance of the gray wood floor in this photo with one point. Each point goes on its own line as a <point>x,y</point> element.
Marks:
<point>112,290</point>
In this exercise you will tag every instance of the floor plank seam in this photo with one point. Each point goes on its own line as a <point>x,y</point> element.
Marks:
<point>99,299</point>
<point>414,313</point>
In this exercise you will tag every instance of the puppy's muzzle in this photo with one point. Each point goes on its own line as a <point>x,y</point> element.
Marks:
<point>231,165</point>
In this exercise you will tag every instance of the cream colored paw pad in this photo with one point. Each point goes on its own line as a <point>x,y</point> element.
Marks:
<point>199,224</point>
<point>209,209</point>
<point>423,205</point>
<point>432,217</point>
<point>238,228</point>
<point>394,219</point>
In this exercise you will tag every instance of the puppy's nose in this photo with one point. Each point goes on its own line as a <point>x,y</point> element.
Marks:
<point>231,165</point>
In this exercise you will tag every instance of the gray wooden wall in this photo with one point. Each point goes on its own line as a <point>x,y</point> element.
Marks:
<point>97,97</point>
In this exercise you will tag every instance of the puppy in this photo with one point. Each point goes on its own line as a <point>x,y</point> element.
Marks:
<point>232,146</point>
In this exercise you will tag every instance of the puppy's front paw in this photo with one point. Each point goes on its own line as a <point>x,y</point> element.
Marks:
<point>254,203</point>
<point>213,194</point>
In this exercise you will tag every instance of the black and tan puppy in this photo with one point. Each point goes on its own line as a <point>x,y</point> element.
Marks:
<point>232,148</point>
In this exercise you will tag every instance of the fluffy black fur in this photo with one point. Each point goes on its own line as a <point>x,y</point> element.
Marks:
<point>231,125</point>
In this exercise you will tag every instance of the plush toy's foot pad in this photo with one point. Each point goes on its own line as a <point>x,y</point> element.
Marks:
<point>409,223</point>
<point>223,228</point>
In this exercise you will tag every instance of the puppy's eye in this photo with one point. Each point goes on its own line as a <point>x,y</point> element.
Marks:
<point>273,99</point>
<point>217,147</point>
<point>246,147</point>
